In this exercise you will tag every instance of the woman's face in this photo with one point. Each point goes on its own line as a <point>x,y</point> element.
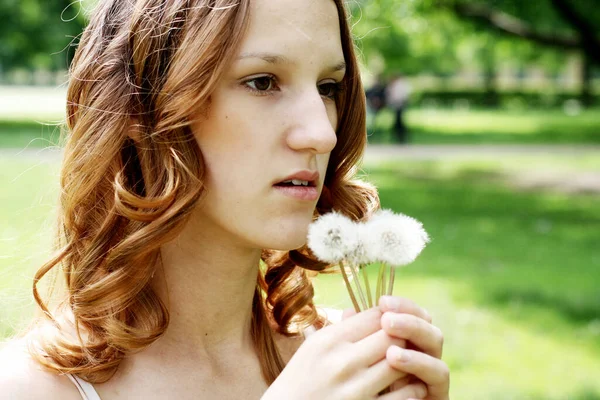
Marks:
<point>272,119</point>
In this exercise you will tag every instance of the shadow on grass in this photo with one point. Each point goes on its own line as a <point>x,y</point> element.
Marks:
<point>545,135</point>
<point>497,126</point>
<point>580,310</point>
<point>418,135</point>
<point>584,394</point>
<point>475,193</point>
<point>538,250</point>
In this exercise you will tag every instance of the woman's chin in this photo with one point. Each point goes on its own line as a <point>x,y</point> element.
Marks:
<point>287,244</point>
<point>287,240</point>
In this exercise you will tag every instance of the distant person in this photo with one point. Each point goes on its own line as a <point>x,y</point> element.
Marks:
<point>375,102</point>
<point>397,94</point>
<point>376,96</point>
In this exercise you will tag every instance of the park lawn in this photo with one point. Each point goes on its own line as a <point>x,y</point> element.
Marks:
<point>21,134</point>
<point>444,126</point>
<point>510,276</point>
<point>28,198</point>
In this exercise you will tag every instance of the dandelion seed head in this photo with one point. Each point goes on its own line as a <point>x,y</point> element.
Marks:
<point>332,237</point>
<point>396,239</point>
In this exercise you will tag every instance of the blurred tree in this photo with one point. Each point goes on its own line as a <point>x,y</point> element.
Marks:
<point>563,24</point>
<point>38,34</point>
<point>417,36</point>
<point>397,37</point>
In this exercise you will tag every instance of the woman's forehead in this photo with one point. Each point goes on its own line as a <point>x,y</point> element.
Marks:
<point>293,29</point>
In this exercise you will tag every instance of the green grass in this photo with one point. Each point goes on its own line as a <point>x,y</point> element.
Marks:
<point>441,126</point>
<point>511,276</point>
<point>21,134</point>
<point>27,209</point>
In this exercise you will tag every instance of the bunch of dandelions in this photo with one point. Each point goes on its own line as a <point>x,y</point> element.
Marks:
<point>390,239</point>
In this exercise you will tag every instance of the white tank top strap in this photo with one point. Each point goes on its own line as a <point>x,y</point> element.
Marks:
<point>86,389</point>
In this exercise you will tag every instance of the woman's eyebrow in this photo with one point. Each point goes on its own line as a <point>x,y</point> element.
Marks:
<point>273,58</point>
<point>270,58</point>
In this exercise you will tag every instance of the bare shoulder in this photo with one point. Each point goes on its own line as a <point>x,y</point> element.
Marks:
<point>21,378</point>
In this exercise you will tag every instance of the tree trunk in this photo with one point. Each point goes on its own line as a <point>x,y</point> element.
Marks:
<point>489,75</point>
<point>586,95</point>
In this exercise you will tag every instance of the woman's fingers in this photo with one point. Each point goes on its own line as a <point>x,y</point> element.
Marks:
<point>347,313</point>
<point>419,332</point>
<point>374,347</point>
<point>380,376</point>
<point>408,392</point>
<point>432,371</point>
<point>357,326</point>
<point>403,306</point>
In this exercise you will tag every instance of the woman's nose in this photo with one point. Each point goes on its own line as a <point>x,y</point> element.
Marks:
<point>313,124</point>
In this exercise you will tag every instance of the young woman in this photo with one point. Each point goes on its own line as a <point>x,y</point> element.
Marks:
<point>204,137</point>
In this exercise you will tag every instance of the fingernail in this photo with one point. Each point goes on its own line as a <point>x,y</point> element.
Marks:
<point>391,302</point>
<point>399,354</point>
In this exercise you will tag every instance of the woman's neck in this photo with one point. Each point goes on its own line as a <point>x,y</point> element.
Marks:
<point>207,282</point>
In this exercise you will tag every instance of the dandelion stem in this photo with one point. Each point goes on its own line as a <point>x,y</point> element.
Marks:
<point>358,286</point>
<point>378,285</point>
<point>349,287</point>
<point>366,279</point>
<point>384,279</point>
<point>391,282</point>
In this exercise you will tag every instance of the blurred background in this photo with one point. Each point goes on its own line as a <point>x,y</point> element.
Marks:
<point>484,123</point>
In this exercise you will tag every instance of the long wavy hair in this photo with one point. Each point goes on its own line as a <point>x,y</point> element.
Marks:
<point>133,172</point>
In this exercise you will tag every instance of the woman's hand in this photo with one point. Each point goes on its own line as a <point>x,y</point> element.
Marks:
<point>345,361</point>
<point>421,357</point>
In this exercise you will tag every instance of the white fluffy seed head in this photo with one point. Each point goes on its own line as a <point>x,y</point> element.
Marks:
<point>395,239</point>
<point>361,255</point>
<point>332,237</point>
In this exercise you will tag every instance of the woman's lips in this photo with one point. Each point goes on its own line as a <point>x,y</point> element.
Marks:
<point>306,193</point>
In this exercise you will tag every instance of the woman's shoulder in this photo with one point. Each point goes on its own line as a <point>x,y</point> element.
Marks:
<point>22,378</point>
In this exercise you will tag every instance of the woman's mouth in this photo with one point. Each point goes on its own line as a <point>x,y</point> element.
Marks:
<point>298,189</point>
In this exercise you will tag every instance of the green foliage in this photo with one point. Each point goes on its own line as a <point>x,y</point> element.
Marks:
<point>38,34</point>
<point>427,36</point>
<point>396,36</point>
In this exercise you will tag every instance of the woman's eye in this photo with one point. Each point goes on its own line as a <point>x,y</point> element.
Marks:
<point>329,89</point>
<point>261,83</point>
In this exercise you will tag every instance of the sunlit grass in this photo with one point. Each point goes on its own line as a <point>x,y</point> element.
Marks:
<point>28,196</point>
<point>511,277</point>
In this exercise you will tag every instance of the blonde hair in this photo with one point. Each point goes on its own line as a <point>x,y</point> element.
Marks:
<point>133,172</point>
